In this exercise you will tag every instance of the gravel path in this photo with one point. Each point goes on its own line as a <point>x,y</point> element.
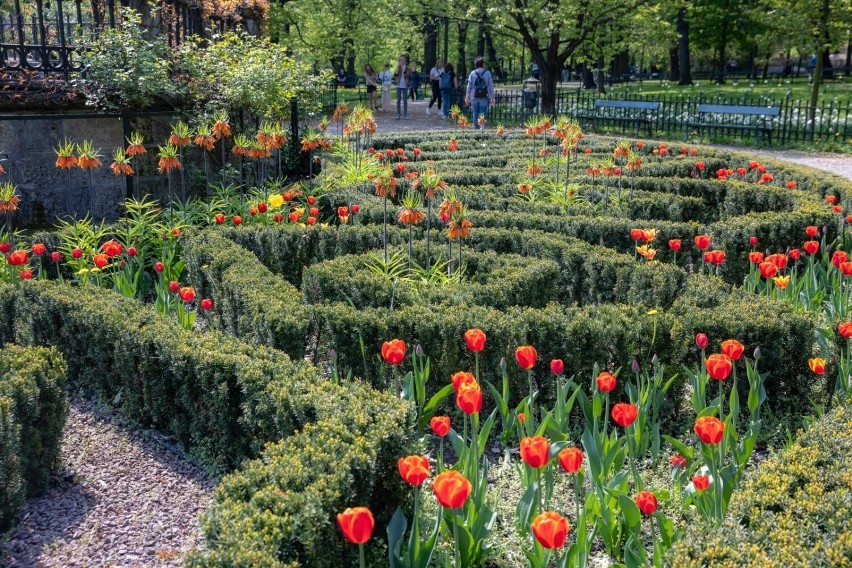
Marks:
<point>838,164</point>
<point>130,501</point>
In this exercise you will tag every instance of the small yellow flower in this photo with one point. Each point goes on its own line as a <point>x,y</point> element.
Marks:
<point>275,200</point>
<point>781,281</point>
<point>82,271</point>
<point>652,312</point>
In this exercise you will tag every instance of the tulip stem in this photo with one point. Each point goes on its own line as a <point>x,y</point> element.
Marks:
<point>456,552</point>
<point>532,408</point>
<point>637,480</point>
<point>361,556</point>
<point>606,413</point>
<point>577,501</point>
<point>429,232</point>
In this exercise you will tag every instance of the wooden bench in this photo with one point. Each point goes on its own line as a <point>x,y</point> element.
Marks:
<point>626,112</point>
<point>758,119</point>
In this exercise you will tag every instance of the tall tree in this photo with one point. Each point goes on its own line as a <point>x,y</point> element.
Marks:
<point>554,30</point>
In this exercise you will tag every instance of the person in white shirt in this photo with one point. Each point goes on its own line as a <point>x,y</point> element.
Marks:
<point>435,82</point>
<point>386,79</point>
<point>402,78</point>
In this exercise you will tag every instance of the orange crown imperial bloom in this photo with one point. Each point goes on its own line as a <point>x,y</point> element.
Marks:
<point>550,530</point>
<point>462,378</point>
<point>135,150</point>
<point>475,339</point>
<point>719,366</point>
<point>356,524</point>
<point>605,381</point>
<point>571,459</point>
<point>393,351</point>
<point>440,425</point>
<point>647,502</point>
<point>411,216</point>
<point>709,429</point>
<point>624,414</point>
<point>733,349</point>
<point>469,398</point>
<point>414,469</point>
<point>451,489</point>
<point>817,365</point>
<point>526,355</point>
<point>535,451</point>
<point>66,162</point>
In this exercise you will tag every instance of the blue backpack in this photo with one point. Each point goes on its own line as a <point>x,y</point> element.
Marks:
<point>445,80</point>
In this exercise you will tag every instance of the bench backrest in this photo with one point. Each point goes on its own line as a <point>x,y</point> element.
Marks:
<point>739,109</point>
<point>640,105</point>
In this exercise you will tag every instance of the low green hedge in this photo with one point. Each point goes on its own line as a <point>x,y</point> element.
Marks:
<point>33,410</point>
<point>250,302</point>
<point>793,510</point>
<point>492,279</point>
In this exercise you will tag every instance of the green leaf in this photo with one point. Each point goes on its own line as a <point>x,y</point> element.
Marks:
<point>396,530</point>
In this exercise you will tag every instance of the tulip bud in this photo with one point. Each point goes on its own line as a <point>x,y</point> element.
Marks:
<point>635,366</point>
<point>756,353</point>
<point>655,360</point>
<point>332,354</point>
<point>418,350</point>
<point>503,364</point>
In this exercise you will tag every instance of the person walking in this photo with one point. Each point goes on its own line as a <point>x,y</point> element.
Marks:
<point>480,91</point>
<point>447,83</point>
<point>386,78</point>
<point>435,83</point>
<point>414,82</point>
<point>371,80</point>
<point>402,78</point>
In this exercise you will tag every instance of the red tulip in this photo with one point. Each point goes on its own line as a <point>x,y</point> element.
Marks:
<point>756,257</point>
<point>56,256</point>
<point>393,351</point>
<point>701,482</point>
<point>5,247</point>
<point>605,381</point>
<point>356,524</point>
<point>845,329</point>
<point>526,356</point>
<point>475,339</point>
<point>440,425</point>
<point>647,502</point>
<point>131,251</point>
<point>767,270</point>
<point>795,254</point>
<point>550,530</point>
<point>811,231</point>
<point>187,294</point>
<point>39,249</point>
<point>752,241</point>
<point>219,218</point>
<point>469,398</point>
<point>451,489</point>
<point>674,244</point>
<point>25,274</point>
<point>100,260</point>
<point>709,429</point>
<point>837,258</point>
<point>207,304</point>
<point>702,242</point>
<point>158,267</point>
<point>678,460</point>
<point>811,247</point>
<point>18,258</point>
<point>701,341</point>
<point>571,459</point>
<point>174,287</point>
<point>557,367</point>
<point>624,414</point>
<point>535,451</point>
<point>780,260</point>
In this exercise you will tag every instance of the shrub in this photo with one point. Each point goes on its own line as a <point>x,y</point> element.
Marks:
<point>792,511</point>
<point>33,410</point>
<point>250,301</point>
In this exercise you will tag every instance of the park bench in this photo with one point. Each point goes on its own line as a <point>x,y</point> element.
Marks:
<point>734,117</point>
<point>625,112</point>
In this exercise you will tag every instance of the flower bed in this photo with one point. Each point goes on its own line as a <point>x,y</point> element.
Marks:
<point>32,416</point>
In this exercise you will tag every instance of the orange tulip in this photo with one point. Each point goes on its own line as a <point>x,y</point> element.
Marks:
<point>440,425</point>
<point>779,260</point>
<point>702,242</point>
<point>605,381</point>
<point>647,502</point>
<point>526,356</point>
<point>18,258</point>
<point>811,247</point>
<point>709,429</point>
<point>845,329</point>
<point>414,469</point>
<point>100,260</point>
<point>767,270</point>
<point>571,459</point>
<point>817,365</point>
<point>733,349</point>
<point>550,530</point>
<point>701,482</point>
<point>393,351</point>
<point>719,366</point>
<point>356,524</point>
<point>187,294</point>
<point>475,339</point>
<point>451,489</point>
<point>112,248</point>
<point>469,398</point>
<point>756,257</point>
<point>535,451</point>
<point>462,378</point>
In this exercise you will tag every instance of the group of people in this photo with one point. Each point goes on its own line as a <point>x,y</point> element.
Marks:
<point>442,81</point>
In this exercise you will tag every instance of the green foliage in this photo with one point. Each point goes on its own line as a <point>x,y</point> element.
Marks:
<point>32,415</point>
<point>792,511</point>
<point>130,70</point>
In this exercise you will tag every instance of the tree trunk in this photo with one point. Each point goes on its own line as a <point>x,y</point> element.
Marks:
<point>621,64</point>
<point>549,79</point>
<point>461,66</point>
<point>848,62</point>
<point>827,67</point>
<point>491,55</point>
<point>600,77</point>
<point>430,42</point>
<point>752,56</point>
<point>480,40</point>
<point>820,62</point>
<point>722,63</point>
<point>685,75</point>
<point>766,65</point>
<point>674,65</point>
<point>588,77</point>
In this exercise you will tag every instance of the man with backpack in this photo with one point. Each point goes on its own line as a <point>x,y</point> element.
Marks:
<point>480,91</point>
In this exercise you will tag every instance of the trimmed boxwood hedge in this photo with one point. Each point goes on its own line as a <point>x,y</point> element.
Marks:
<point>793,510</point>
<point>33,410</point>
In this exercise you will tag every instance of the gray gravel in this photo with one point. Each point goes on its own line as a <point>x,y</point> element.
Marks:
<point>130,502</point>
